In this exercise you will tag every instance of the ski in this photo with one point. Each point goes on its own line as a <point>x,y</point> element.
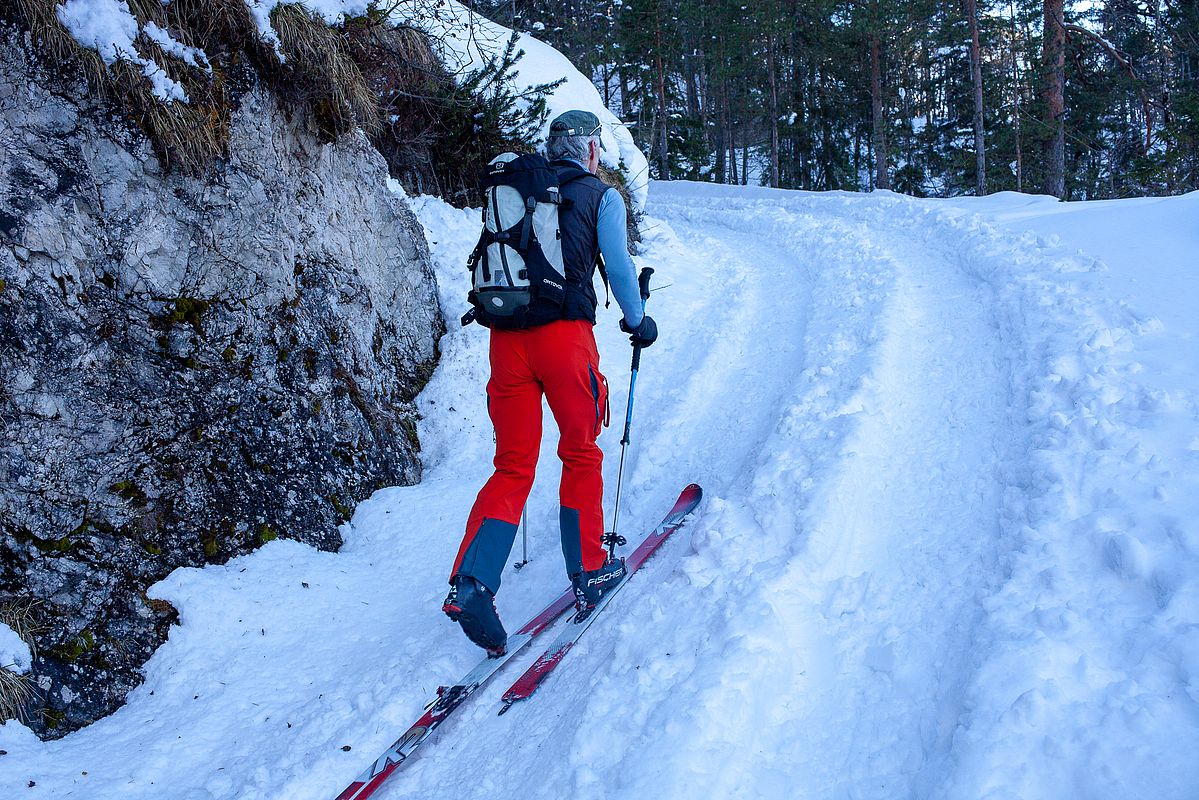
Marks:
<point>448,699</point>
<point>533,677</point>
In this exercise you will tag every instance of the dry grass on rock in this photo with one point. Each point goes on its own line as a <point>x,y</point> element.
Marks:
<point>317,74</point>
<point>16,690</point>
<point>320,73</point>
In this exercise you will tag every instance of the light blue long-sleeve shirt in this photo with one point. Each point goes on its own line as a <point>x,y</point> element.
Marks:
<point>614,247</point>
<point>613,239</point>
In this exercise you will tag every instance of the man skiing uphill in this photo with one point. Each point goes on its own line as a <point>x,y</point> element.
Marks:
<point>545,346</point>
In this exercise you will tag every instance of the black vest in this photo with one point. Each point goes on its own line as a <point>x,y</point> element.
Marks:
<point>578,217</point>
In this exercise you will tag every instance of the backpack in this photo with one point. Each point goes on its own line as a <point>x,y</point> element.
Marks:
<point>518,280</point>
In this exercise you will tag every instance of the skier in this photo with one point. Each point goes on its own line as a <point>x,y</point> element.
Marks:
<point>558,359</point>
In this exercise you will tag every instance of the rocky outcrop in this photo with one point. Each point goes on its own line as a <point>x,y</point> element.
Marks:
<point>188,366</point>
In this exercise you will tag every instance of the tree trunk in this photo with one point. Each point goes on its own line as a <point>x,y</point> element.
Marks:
<point>733,177</point>
<point>690,80</point>
<point>772,76</point>
<point>704,91</point>
<point>881,179</point>
<point>663,114</point>
<point>976,70</point>
<point>1053,92</point>
<point>1016,89</point>
<point>723,143</point>
<point>719,141</point>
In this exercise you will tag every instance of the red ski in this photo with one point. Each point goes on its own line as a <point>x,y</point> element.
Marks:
<point>449,698</point>
<point>527,683</point>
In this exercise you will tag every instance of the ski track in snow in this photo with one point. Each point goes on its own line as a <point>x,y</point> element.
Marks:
<point>829,599</point>
<point>933,558</point>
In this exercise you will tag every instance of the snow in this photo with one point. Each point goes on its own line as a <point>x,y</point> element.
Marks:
<point>14,653</point>
<point>949,546</point>
<point>109,28</point>
<point>106,26</point>
<point>333,12</point>
<point>189,55</point>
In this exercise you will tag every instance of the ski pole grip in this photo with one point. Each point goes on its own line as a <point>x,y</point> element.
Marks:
<point>643,281</point>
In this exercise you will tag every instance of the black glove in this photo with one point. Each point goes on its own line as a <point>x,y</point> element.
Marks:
<point>644,334</point>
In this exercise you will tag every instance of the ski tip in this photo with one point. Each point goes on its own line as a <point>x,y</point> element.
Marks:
<point>507,704</point>
<point>690,496</point>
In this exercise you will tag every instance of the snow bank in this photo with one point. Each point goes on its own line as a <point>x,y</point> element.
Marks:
<point>14,653</point>
<point>1089,685</point>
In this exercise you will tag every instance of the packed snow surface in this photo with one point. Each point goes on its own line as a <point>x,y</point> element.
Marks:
<point>949,545</point>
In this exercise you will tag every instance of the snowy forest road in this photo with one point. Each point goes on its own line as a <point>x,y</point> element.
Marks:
<point>949,546</point>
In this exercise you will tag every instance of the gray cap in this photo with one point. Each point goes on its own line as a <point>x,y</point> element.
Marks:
<point>575,123</point>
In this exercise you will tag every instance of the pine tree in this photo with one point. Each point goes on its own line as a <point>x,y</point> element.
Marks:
<point>923,96</point>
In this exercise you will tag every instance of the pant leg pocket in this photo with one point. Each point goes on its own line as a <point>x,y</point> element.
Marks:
<point>599,394</point>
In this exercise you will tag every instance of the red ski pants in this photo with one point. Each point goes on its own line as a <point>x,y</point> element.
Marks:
<point>559,360</point>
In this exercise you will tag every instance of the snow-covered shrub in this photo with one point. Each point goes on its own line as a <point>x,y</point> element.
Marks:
<point>439,139</point>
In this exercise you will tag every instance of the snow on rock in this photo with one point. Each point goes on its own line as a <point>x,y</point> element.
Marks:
<point>189,55</point>
<point>469,41</point>
<point>332,12</point>
<point>109,28</point>
<point>106,26</point>
<point>14,652</point>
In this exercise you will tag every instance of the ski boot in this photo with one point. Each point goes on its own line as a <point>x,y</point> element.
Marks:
<point>472,606</point>
<point>591,586</point>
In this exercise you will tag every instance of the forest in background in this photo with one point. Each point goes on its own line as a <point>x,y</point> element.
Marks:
<point>1081,100</point>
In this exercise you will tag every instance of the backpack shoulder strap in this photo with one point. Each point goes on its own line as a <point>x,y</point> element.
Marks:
<point>603,271</point>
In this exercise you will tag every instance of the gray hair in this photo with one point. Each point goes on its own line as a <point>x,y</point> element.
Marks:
<point>572,147</point>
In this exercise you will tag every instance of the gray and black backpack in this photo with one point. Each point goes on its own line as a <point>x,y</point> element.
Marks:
<point>518,279</point>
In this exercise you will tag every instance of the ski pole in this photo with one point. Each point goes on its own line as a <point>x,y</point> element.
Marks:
<point>524,538</point>
<point>614,537</point>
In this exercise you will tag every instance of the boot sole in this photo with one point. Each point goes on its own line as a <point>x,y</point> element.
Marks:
<point>475,631</point>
